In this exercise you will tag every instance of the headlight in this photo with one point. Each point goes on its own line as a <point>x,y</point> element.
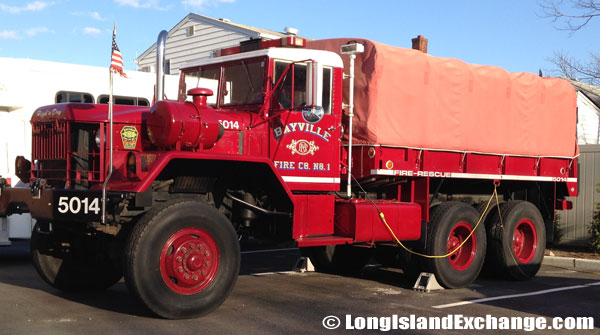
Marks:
<point>97,139</point>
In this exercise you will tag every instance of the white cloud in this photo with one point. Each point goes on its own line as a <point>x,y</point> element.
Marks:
<point>154,4</point>
<point>200,4</point>
<point>8,34</point>
<point>94,15</point>
<point>91,31</point>
<point>31,32</point>
<point>35,6</point>
<point>133,3</point>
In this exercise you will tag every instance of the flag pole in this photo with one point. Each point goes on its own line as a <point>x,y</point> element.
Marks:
<point>110,136</point>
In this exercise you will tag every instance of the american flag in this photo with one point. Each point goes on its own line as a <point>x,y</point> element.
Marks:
<point>116,61</point>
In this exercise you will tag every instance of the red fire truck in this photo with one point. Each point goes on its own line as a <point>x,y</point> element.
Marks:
<point>284,139</point>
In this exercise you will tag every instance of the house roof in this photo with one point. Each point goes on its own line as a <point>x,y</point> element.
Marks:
<point>591,92</point>
<point>252,32</point>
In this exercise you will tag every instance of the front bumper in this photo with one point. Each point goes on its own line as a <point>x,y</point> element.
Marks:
<point>57,204</point>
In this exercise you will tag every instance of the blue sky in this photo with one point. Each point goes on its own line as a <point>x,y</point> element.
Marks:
<point>507,33</point>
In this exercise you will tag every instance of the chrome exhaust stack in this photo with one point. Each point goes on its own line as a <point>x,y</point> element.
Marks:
<point>159,91</point>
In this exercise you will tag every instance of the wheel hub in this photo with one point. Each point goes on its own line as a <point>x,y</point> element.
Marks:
<point>524,241</point>
<point>463,257</point>
<point>189,261</point>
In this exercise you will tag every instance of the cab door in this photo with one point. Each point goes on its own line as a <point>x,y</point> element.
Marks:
<point>305,135</point>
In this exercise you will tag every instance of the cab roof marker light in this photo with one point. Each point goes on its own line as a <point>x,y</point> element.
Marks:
<point>284,42</point>
<point>293,41</point>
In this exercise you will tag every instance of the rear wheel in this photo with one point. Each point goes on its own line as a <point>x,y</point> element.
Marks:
<point>73,262</point>
<point>338,258</point>
<point>182,259</point>
<point>451,223</point>
<point>517,242</point>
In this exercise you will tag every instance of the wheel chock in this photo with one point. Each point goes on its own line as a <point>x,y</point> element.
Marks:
<point>303,264</point>
<point>427,282</point>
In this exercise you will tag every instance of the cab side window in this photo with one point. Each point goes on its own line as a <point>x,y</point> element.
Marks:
<point>327,83</point>
<point>291,95</point>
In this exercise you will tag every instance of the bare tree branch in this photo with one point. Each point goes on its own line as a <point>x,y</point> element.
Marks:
<point>573,16</point>
<point>576,16</point>
<point>569,67</point>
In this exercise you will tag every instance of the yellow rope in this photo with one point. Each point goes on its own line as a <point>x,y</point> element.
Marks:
<point>382,216</point>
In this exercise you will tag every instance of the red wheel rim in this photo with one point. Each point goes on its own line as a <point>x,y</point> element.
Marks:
<point>463,258</point>
<point>524,241</point>
<point>189,261</point>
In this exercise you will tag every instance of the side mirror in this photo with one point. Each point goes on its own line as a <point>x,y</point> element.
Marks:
<point>313,114</point>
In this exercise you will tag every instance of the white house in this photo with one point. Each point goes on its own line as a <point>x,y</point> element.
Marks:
<point>196,37</point>
<point>588,113</point>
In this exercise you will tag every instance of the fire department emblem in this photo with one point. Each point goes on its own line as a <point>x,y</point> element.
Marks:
<point>302,147</point>
<point>129,136</point>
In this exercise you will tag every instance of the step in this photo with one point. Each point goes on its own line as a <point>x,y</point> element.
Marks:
<point>313,241</point>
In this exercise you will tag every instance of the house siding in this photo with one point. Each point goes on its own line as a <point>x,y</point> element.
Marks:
<point>588,121</point>
<point>576,221</point>
<point>181,48</point>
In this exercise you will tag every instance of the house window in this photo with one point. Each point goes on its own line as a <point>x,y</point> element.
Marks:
<point>168,66</point>
<point>64,96</point>
<point>122,100</point>
<point>191,30</point>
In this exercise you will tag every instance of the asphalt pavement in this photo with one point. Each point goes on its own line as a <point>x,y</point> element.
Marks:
<point>269,299</point>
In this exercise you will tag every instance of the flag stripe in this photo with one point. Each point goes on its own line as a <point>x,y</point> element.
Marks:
<point>116,60</point>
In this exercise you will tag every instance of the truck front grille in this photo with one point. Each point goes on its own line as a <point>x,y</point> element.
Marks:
<point>65,154</point>
<point>49,152</point>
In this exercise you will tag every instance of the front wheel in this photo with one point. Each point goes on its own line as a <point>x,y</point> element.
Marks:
<point>70,261</point>
<point>182,259</point>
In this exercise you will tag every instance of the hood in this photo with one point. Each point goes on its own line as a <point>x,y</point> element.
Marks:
<point>90,113</point>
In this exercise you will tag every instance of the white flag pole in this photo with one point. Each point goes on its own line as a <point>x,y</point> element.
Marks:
<point>110,136</point>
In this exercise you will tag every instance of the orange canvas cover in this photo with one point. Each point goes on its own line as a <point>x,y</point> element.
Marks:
<point>404,97</point>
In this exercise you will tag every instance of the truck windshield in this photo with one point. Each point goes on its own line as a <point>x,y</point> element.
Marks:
<point>242,83</point>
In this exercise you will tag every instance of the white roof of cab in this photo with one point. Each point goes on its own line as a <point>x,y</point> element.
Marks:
<point>322,57</point>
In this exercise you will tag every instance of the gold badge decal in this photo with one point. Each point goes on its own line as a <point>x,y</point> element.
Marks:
<point>129,136</point>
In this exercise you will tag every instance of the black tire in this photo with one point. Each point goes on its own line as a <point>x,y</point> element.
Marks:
<point>73,262</point>
<point>449,225</point>
<point>338,258</point>
<point>176,239</point>
<point>490,265</point>
<point>517,242</point>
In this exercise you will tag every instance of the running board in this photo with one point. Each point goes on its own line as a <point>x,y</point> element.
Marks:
<point>323,240</point>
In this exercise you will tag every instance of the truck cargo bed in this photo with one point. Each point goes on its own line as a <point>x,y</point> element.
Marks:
<point>407,98</point>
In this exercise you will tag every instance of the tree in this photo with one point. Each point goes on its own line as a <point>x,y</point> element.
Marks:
<point>572,17</point>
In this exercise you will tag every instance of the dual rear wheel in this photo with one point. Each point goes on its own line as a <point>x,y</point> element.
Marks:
<point>511,243</point>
